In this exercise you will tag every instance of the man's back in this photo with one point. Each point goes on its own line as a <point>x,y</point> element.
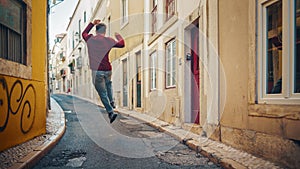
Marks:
<point>98,49</point>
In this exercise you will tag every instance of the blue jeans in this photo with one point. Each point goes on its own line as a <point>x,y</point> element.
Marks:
<point>103,85</point>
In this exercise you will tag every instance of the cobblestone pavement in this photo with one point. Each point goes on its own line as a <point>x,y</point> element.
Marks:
<point>165,147</point>
<point>15,154</point>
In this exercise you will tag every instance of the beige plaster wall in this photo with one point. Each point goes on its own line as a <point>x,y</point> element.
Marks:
<point>132,32</point>
<point>233,45</point>
<point>170,107</point>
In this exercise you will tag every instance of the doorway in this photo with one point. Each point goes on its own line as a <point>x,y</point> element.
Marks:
<point>125,83</point>
<point>138,80</point>
<point>195,73</point>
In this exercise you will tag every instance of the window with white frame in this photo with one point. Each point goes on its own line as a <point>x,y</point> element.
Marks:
<point>171,63</point>
<point>124,12</point>
<point>279,51</point>
<point>13,31</point>
<point>153,67</point>
<point>296,58</point>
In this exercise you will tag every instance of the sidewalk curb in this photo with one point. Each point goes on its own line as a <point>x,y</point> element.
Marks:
<point>39,152</point>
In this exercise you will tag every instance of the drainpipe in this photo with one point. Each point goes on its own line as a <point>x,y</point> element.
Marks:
<point>219,74</point>
<point>47,60</point>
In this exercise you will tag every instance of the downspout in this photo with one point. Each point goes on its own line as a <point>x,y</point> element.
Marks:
<point>218,59</point>
<point>47,60</point>
<point>219,71</point>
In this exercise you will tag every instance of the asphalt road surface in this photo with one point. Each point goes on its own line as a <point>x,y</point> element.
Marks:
<point>90,141</point>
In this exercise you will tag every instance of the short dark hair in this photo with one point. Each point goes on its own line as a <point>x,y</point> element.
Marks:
<point>101,28</point>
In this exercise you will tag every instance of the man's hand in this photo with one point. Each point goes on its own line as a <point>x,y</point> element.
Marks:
<point>121,42</point>
<point>96,21</point>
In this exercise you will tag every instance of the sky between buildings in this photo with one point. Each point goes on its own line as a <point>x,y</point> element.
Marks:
<point>59,17</point>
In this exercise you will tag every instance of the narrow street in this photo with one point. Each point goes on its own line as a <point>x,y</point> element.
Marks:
<point>90,141</point>
<point>204,84</point>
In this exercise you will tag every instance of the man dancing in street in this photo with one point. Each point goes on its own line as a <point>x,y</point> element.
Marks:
<point>99,47</point>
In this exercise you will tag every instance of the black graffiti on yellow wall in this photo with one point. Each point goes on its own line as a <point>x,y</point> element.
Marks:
<point>17,100</point>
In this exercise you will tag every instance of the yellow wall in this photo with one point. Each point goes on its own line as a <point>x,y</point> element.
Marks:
<point>21,119</point>
<point>23,101</point>
<point>39,42</point>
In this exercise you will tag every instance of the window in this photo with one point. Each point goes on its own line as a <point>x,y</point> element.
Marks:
<point>13,31</point>
<point>278,56</point>
<point>79,29</point>
<point>73,40</point>
<point>154,16</point>
<point>124,12</point>
<point>274,48</point>
<point>138,67</point>
<point>171,63</point>
<point>170,8</point>
<point>109,26</point>
<point>84,17</point>
<point>153,68</point>
<point>296,72</point>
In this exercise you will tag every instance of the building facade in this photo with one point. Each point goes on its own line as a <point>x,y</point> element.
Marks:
<point>23,70</point>
<point>258,47</point>
<point>58,68</point>
<point>72,70</point>
<point>80,74</point>
<point>223,74</point>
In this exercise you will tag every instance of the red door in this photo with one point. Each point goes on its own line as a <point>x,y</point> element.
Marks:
<point>195,100</point>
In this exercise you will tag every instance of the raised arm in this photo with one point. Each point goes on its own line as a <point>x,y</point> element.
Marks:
<point>85,33</point>
<point>120,41</point>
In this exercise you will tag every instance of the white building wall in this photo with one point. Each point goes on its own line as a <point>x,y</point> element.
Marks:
<point>82,78</point>
<point>146,52</point>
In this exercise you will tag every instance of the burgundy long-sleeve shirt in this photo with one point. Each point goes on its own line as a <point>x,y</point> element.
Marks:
<point>99,47</point>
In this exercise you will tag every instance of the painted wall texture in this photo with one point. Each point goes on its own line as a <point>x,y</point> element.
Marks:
<point>133,32</point>
<point>23,94</point>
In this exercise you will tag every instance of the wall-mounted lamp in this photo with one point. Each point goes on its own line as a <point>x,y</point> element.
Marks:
<point>188,56</point>
<point>76,36</point>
